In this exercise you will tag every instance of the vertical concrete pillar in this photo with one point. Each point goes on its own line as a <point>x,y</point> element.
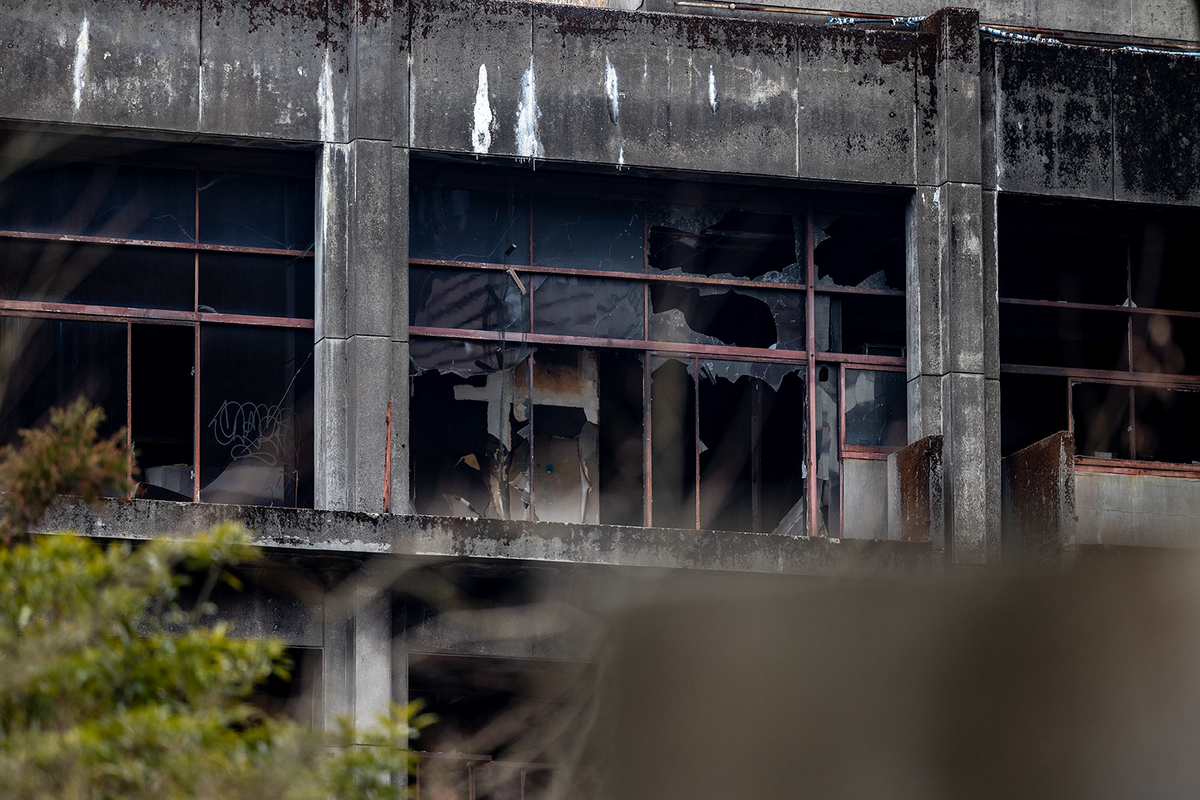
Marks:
<point>948,287</point>
<point>362,254</point>
<point>358,680</point>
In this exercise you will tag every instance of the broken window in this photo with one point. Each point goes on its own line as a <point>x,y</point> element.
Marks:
<point>175,294</point>
<point>1098,319</point>
<point>642,357</point>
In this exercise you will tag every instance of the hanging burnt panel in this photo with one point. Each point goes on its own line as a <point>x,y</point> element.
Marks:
<point>471,421</point>
<point>50,363</point>
<point>162,380</point>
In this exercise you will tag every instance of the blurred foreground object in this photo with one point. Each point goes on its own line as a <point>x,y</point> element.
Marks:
<point>1078,684</point>
<point>111,689</point>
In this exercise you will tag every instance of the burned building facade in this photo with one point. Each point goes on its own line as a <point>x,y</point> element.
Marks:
<point>490,294</point>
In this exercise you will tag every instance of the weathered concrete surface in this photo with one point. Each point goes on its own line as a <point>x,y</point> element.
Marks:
<point>332,532</point>
<point>469,63</point>
<point>948,97</point>
<point>865,484</point>
<point>116,64</point>
<point>1052,119</point>
<point>1170,20</point>
<point>274,74</point>
<point>856,113</point>
<point>1156,114</point>
<point>1144,510</point>
<point>1039,499</point>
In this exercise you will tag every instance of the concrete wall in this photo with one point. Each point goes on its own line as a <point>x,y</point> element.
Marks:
<point>1143,510</point>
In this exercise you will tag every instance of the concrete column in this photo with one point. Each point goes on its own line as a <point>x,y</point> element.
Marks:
<point>361,249</point>
<point>951,291</point>
<point>357,649</point>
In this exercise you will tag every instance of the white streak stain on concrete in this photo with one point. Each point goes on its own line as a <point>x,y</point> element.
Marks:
<point>611,90</point>
<point>529,144</point>
<point>481,131</point>
<point>81,56</point>
<point>712,90</point>
<point>325,101</point>
<point>412,103</point>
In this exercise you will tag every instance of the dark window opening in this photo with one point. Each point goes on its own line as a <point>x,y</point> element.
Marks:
<point>634,351</point>
<point>1100,299</point>
<point>138,252</point>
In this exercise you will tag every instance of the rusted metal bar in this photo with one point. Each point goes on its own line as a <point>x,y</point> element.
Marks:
<point>387,461</point>
<point>1122,466</point>
<point>129,400</point>
<point>861,453</point>
<point>811,389</point>
<point>647,442</point>
<point>37,308</point>
<point>1145,311</point>
<point>645,276</point>
<point>1070,407</point>
<point>118,241</point>
<point>1114,377</point>
<point>858,290</point>
<point>669,349</point>
<point>196,415</point>
<point>755,454</point>
<point>696,430</point>
<point>529,367</point>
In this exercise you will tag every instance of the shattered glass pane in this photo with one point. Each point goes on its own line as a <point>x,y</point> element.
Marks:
<point>859,250</point>
<point>725,316</point>
<point>591,307</point>
<point>586,233</point>
<point>466,299</point>
<point>464,357</point>
<point>247,210</point>
<point>468,225</point>
<point>876,406</point>
<point>722,243</point>
<point>860,324</point>
<point>101,200</point>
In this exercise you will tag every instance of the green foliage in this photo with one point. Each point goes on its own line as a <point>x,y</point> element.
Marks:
<point>110,689</point>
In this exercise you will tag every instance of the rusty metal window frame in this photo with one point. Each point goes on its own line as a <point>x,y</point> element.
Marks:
<point>809,358</point>
<point>194,319</point>
<point>1128,377</point>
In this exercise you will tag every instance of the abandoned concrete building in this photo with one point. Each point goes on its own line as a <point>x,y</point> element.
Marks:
<point>501,302</point>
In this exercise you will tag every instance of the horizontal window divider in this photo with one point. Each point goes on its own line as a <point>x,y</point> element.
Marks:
<point>858,290</point>
<point>1123,466</point>
<point>666,349</point>
<point>861,453</point>
<point>1107,376</point>
<point>570,272</point>
<point>93,313</point>
<point>1165,312</point>
<point>882,363</point>
<point>162,244</point>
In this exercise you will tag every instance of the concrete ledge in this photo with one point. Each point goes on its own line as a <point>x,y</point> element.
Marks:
<point>346,533</point>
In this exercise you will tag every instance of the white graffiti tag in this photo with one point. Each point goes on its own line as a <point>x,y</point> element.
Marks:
<point>254,430</point>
